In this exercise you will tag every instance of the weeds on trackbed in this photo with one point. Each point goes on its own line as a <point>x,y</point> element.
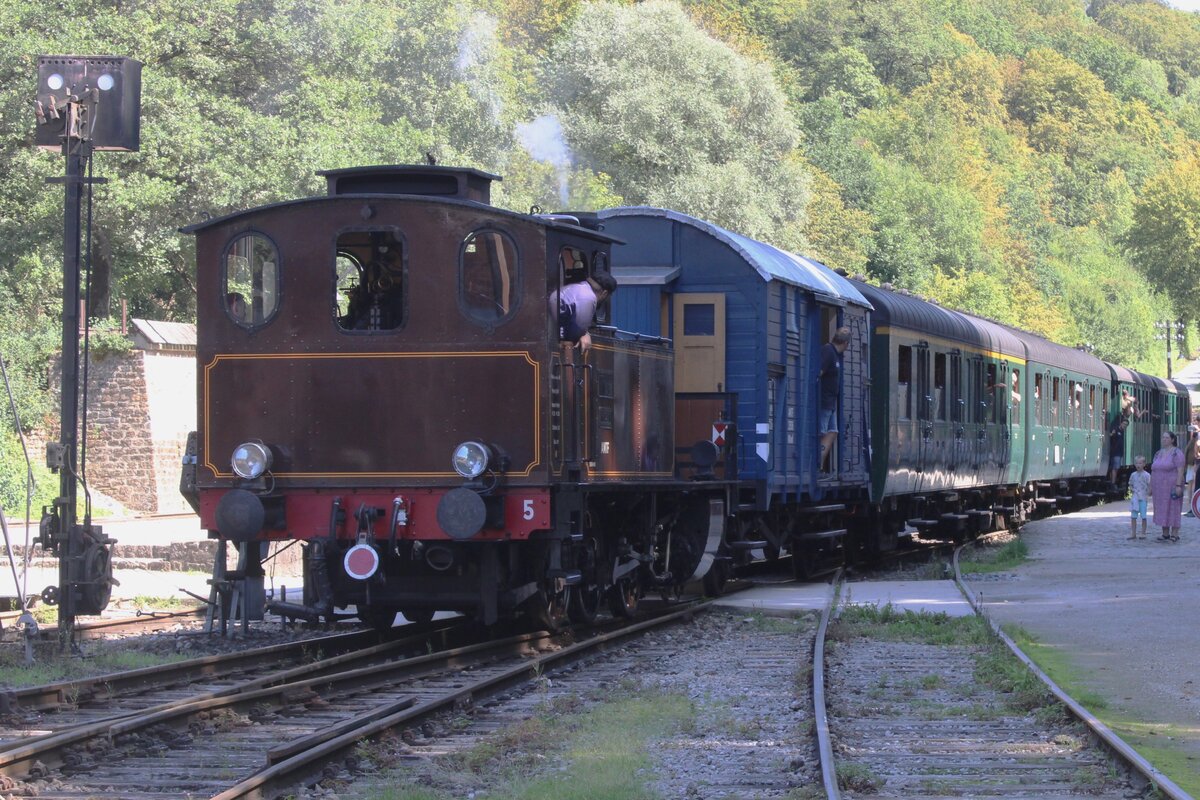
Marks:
<point>983,558</point>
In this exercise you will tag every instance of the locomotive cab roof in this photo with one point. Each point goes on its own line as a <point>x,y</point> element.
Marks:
<point>452,185</point>
<point>462,183</point>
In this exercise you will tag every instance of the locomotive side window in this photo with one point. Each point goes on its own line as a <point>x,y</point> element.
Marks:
<point>600,264</point>
<point>369,281</point>
<point>251,280</point>
<point>487,276</point>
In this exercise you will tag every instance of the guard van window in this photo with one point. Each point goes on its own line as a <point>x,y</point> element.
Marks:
<point>488,276</point>
<point>369,292</point>
<point>251,294</point>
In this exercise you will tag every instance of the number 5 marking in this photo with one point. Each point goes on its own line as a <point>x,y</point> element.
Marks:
<point>527,510</point>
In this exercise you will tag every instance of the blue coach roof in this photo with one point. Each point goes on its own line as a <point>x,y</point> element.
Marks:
<point>770,262</point>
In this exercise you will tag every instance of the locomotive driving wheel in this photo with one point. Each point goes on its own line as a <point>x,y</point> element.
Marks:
<point>624,595</point>
<point>548,607</point>
<point>586,595</point>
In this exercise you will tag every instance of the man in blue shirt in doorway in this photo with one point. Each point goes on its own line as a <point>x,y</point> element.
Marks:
<point>830,378</point>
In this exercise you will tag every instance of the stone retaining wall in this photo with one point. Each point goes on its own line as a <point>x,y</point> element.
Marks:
<point>141,406</point>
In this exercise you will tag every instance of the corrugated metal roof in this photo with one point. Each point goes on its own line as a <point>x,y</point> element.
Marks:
<point>165,334</point>
<point>770,262</point>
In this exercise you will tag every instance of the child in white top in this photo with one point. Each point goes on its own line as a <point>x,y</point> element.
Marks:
<point>1139,493</point>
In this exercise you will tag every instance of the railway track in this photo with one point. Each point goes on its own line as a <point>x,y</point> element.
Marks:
<point>141,622</point>
<point>200,744</point>
<point>913,719</point>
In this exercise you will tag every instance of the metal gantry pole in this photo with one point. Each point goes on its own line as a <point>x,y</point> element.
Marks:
<point>75,151</point>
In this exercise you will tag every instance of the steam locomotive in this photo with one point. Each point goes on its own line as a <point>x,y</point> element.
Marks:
<point>381,378</point>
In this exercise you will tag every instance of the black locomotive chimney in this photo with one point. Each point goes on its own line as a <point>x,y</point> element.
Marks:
<point>452,182</point>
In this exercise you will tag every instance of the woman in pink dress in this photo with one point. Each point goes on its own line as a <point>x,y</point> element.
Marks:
<point>1166,487</point>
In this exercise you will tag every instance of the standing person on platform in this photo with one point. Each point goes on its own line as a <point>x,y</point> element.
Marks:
<point>1139,496</point>
<point>1166,487</point>
<point>830,379</point>
<point>1191,451</point>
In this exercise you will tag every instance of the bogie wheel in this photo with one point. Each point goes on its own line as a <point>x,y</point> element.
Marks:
<point>715,578</point>
<point>623,597</point>
<point>802,566</point>
<point>584,603</point>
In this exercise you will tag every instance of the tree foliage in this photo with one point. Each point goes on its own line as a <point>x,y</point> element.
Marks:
<point>1030,160</point>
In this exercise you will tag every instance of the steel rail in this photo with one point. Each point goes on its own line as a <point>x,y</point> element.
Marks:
<point>309,755</point>
<point>1114,743</point>
<point>820,715</point>
<point>49,749</point>
<point>116,684</point>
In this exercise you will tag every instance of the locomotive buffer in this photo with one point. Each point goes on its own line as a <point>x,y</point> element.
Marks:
<point>84,103</point>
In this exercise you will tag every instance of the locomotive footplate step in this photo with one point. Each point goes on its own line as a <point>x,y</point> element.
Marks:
<point>827,509</point>
<point>818,535</point>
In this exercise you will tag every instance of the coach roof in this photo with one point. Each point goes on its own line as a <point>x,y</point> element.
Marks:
<point>769,262</point>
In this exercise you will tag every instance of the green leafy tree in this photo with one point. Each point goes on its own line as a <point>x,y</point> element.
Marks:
<point>1165,238</point>
<point>679,119</point>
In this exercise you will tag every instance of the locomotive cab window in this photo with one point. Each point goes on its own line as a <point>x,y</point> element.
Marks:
<point>488,276</point>
<point>369,281</point>
<point>604,311</point>
<point>251,280</point>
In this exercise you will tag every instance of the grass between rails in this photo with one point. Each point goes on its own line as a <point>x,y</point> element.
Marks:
<point>984,558</point>
<point>995,667</point>
<point>52,667</point>
<point>599,752</point>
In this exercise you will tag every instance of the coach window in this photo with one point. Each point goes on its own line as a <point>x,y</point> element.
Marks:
<point>939,386</point>
<point>1038,398</point>
<point>487,276</point>
<point>904,381</point>
<point>1055,418</point>
<point>251,280</point>
<point>369,281</point>
<point>994,389</point>
<point>1014,398</point>
<point>955,400</point>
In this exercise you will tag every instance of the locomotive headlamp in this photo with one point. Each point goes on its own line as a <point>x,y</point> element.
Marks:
<point>470,459</point>
<point>251,459</point>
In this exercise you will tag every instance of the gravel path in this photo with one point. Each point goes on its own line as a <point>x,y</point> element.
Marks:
<point>1122,614</point>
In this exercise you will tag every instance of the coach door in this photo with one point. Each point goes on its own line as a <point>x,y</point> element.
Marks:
<point>699,334</point>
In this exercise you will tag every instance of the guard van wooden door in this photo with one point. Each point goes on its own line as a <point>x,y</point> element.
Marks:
<point>699,334</point>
